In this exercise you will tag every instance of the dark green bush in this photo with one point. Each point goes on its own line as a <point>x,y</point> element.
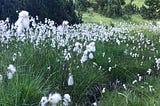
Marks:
<point>110,8</point>
<point>151,9</point>
<point>130,9</point>
<point>57,10</point>
<point>82,5</point>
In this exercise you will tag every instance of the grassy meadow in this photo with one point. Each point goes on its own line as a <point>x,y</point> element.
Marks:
<point>92,17</point>
<point>113,62</point>
<point>115,58</point>
<point>139,3</point>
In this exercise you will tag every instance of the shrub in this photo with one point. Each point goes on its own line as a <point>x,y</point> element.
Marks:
<point>111,8</point>
<point>151,9</point>
<point>130,9</point>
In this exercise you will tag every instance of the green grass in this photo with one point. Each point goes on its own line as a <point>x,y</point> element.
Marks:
<point>115,47</point>
<point>136,95</point>
<point>139,3</point>
<point>92,17</point>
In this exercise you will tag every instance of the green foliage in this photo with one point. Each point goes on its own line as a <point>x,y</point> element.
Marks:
<point>57,10</point>
<point>131,8</point>
<point>121,53</point>
<point>151,9</point>
<point>82,5</point>
<point>23,89</point>
<point>111,8</point>
<point>136,95</point>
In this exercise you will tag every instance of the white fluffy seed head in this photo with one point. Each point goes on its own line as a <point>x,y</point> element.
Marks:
<point>66,100</point>
<point>1,77</point>
<point>67,97</point>
<point>94,104</point>
<point>44,101</point>
<point>11,69</point>
<point>91,56</point>
<point>22,22</point>
<point>23,14</point>
<point>9,75</point>
<point>70,80</point>
<point>103,90</point>
<point>54,98</point>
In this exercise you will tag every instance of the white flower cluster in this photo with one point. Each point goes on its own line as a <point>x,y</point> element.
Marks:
<point>78,47</point>
<point>67,55</point>
<point>88,53</point>
<point>158,63</point>
<point>149,71</point>
<point>138,79</point>
<point>70,80</point>
<point>22,22</point>
<point>11,71</point>
<point>15,55</point>
<point>54,99</point>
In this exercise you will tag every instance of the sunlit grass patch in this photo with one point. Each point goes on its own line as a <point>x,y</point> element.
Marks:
<point>92,17</point>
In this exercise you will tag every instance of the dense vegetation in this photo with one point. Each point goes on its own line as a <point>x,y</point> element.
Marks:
<point>96,64</point>
<point>114,58</point>
<point>122,8</point>
<point>57,10</point>
<point>151,9</point>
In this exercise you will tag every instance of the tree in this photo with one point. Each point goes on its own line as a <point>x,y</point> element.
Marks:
<point>111,8</point>
<point>151,9</point>
<point>131,8</point>
<point>82,5</point>
<point>8,9</point>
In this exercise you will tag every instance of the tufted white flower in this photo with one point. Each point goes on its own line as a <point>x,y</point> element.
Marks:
<point>149,71</point>
<point>124,86</point>
<point>151,88</point>
<point>135,81</point>
<point>22,22</point>
<point>78,47</point>
<point>118,41</point>
<point>95,104</point>
<point>1,77</point>
<point>91,47</point>
<point>110,69</point>
<point>9,75</point>
<point>64,23</point>
<point>103,90</point>
<point>66,99</point>
<point>109,60</point>
<point>84,58</point>
<point>54,98</point>
<point>11,69</point>
<point>139,77</point>
<point>20,28</point>
<point>158,63</point>
<point>70,80</point>
<point>91,56</point>
<point>85,52</point>
<point>14,56</point>
<point>67,57</point>
<point>44,101</point>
